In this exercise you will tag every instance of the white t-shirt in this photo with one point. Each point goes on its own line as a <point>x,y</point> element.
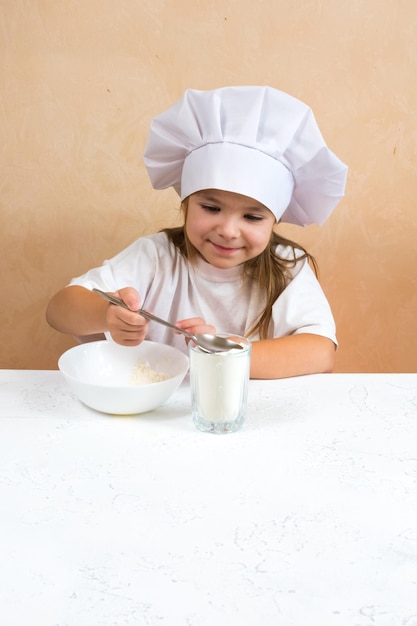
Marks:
<point>174,289</point>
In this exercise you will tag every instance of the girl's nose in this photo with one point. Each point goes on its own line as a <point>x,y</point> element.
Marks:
<point>228,228</point>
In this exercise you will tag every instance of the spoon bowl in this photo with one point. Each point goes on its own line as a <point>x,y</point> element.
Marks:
<point>206,341</point>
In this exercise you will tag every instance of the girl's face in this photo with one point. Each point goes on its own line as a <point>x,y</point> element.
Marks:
<point>227,228</point>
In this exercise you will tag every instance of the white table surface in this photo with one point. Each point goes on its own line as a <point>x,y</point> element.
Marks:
<point>307,516</point>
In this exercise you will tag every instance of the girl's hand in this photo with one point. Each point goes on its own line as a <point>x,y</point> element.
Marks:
<point>127,328</point>
<point>196,325</point>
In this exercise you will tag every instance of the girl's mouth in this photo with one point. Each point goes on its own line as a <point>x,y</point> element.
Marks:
<point>224,250</point>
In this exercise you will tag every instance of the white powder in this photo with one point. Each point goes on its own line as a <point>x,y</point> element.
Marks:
<point>144,375</point>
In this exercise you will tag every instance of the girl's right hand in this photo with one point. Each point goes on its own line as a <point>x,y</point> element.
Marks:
<point>127,328</point>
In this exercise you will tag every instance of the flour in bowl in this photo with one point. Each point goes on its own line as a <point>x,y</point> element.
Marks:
<point>144,375</point>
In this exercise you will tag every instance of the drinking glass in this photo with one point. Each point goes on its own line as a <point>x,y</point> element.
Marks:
<point>219,386</point>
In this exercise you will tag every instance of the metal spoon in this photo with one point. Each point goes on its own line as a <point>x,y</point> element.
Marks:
<point>207,343</point>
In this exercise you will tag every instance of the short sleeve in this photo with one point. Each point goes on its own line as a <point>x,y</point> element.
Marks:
<point>303,307</point>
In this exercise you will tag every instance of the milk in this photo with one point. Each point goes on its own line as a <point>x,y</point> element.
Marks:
<point>219,384</point>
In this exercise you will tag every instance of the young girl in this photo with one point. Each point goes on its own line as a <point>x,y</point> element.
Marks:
<point>242,159</point>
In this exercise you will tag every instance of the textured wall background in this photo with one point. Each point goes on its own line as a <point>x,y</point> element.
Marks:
<point>79,84</point>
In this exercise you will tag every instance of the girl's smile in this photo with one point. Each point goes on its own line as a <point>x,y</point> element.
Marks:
<point>225,250</point>
<point>227,228</point>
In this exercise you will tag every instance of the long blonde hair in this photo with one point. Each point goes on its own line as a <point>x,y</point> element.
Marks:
<point>268,270</point>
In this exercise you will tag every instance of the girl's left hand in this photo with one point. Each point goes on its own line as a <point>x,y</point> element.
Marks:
<point>196,325</point>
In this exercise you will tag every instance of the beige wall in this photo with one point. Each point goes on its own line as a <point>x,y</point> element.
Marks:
<point>79,84</point>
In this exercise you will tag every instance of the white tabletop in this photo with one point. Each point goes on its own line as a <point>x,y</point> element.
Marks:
<point>307,516</point>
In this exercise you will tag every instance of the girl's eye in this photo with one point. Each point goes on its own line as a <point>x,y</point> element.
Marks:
<point>251,217</point>
<point>254,218</point>
<point>210,208</point>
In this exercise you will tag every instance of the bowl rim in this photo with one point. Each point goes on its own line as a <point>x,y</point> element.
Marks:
<point>178,352</point>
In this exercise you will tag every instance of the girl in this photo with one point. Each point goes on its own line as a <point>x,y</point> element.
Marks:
<point>242,159</point>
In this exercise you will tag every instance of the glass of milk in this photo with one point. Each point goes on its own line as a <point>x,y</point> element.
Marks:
<point>219,386</point>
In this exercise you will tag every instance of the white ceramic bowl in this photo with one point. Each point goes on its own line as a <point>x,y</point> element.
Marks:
<point>100,375</point>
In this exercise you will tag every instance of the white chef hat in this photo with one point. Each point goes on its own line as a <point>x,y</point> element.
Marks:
<point>255,141</point>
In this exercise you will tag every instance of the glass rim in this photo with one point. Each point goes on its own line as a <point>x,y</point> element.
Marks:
<point>243,341</point>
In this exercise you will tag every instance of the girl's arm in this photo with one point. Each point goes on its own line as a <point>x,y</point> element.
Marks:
<point>292,355</point>
<point>79,312</point>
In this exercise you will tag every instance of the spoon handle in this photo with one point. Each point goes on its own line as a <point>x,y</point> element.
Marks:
<point>148,316</point>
